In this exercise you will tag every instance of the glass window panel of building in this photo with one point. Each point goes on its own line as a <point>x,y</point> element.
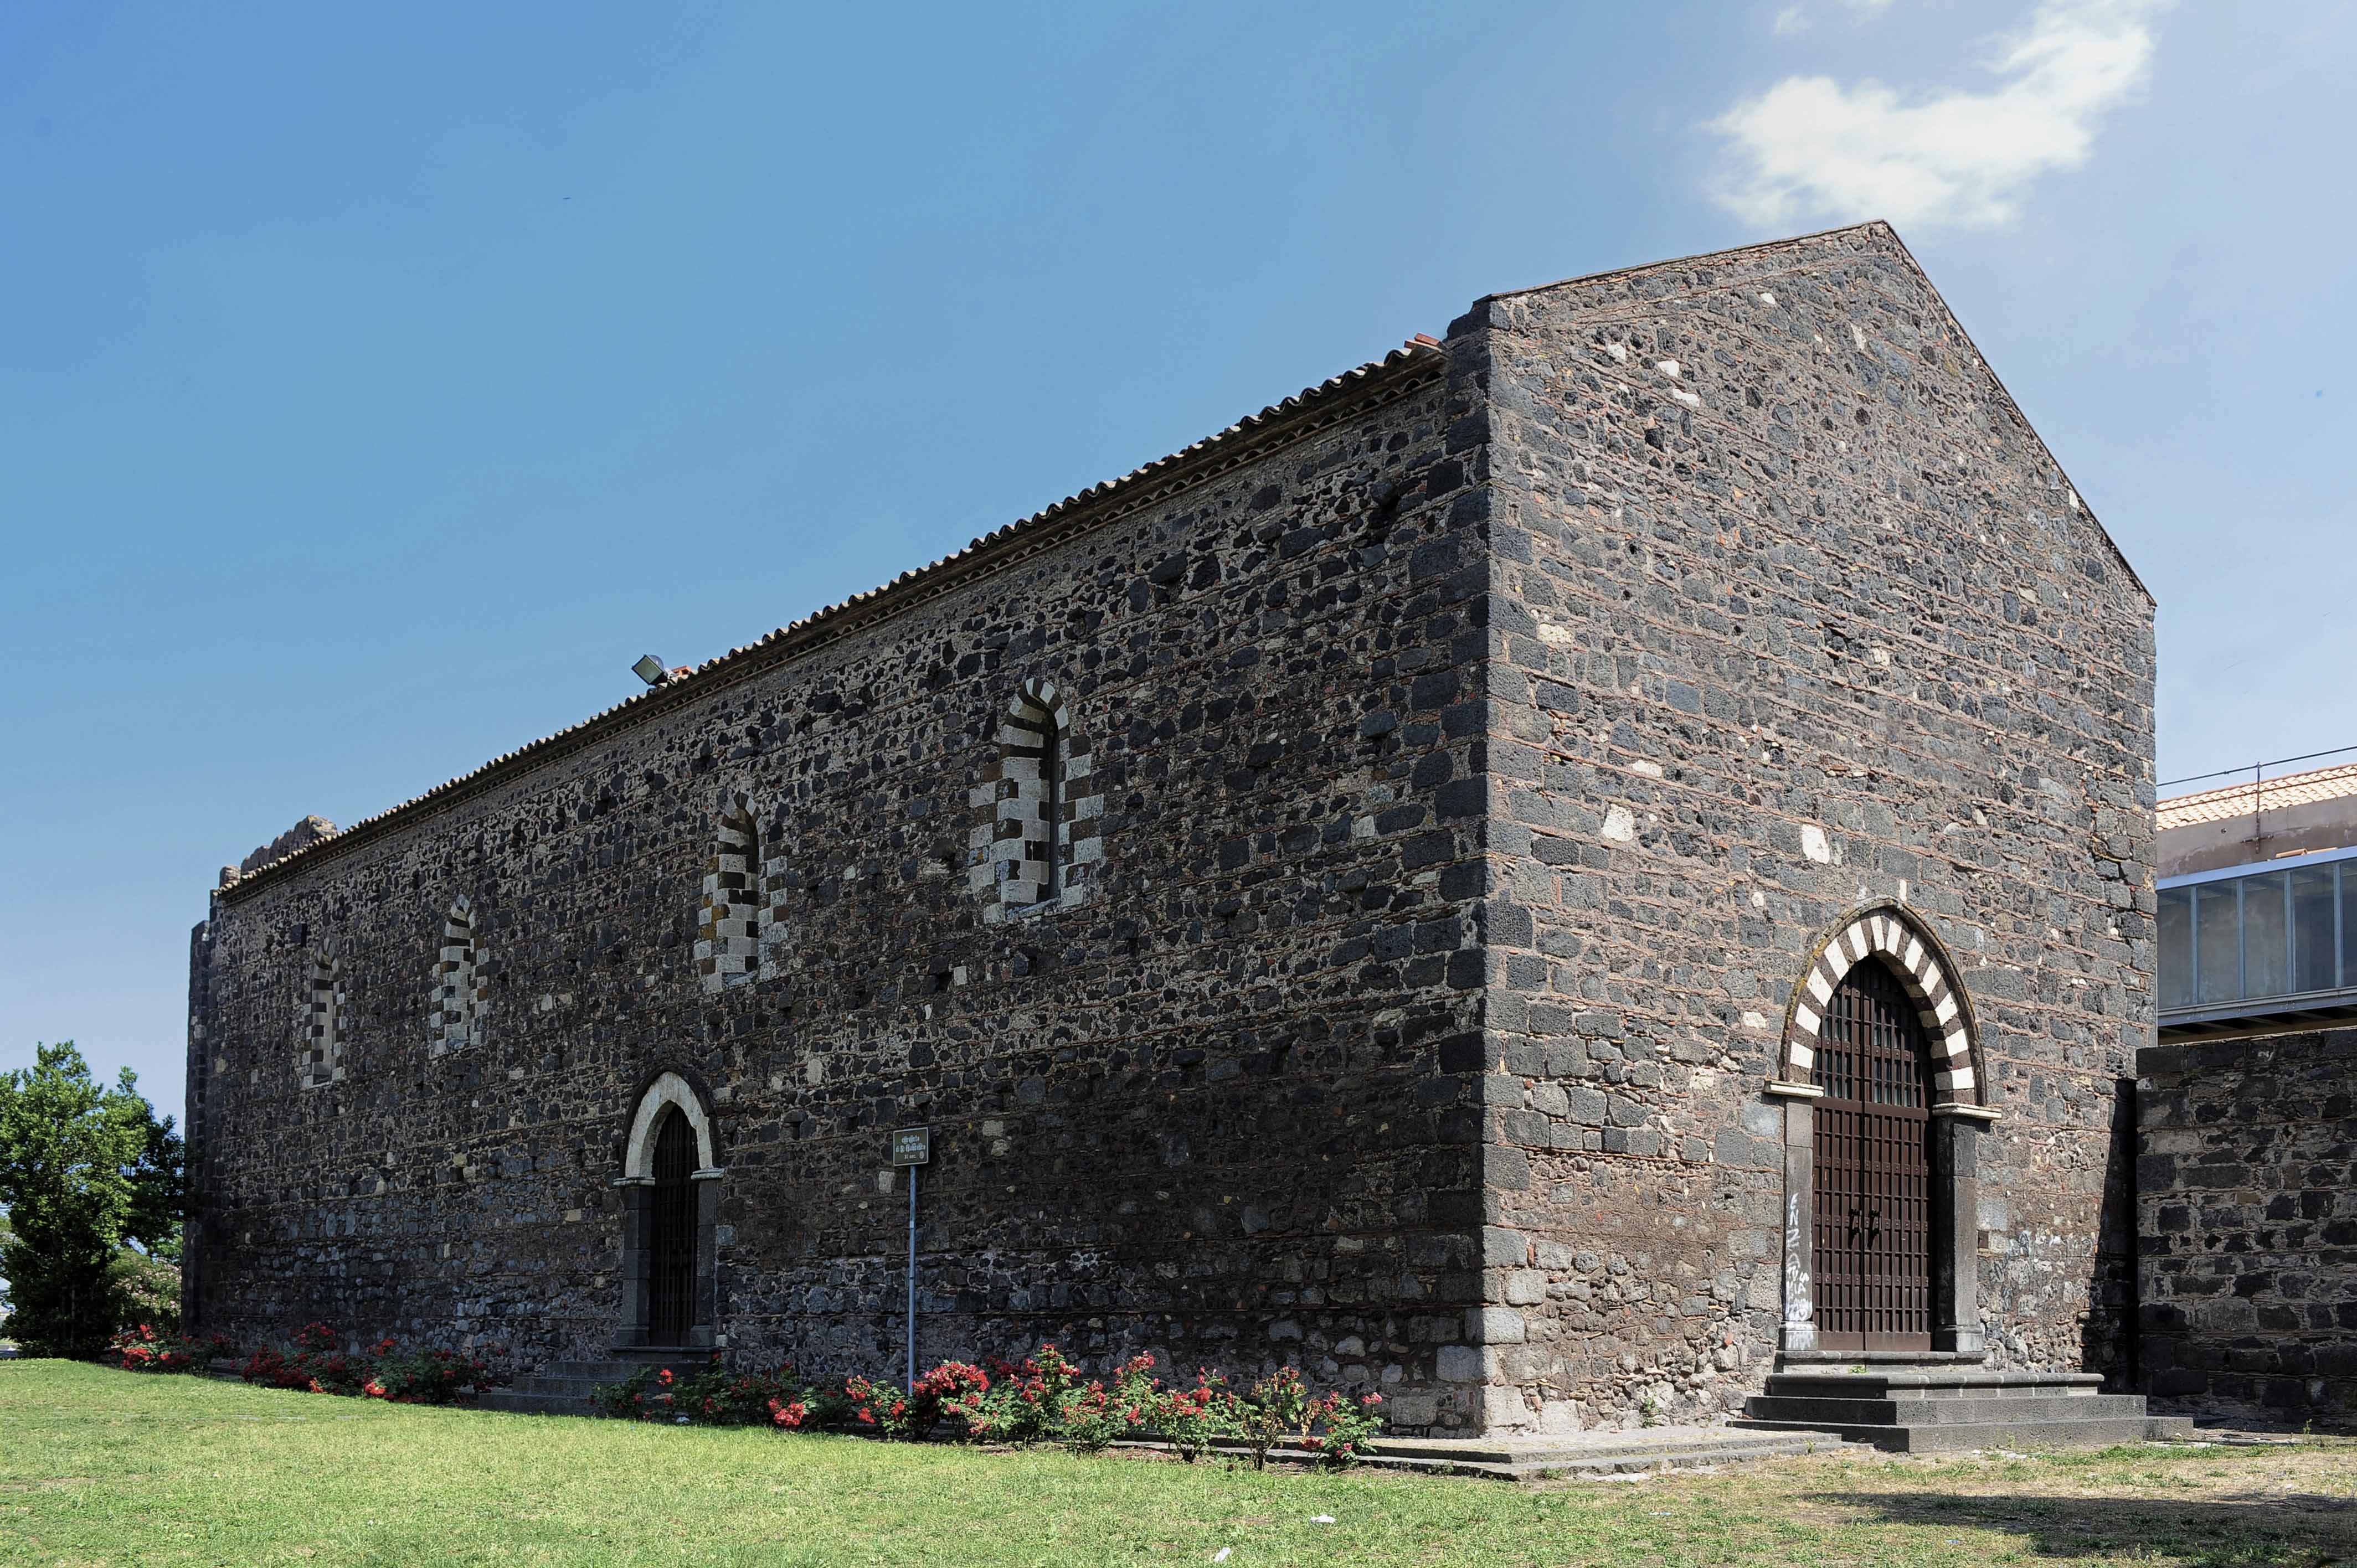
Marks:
<point>2265,949</point>
<point>2176,947</point>
<point>2274,934</point>
<point>2348,924</point>
<point>2217,944</point>
<point>2314,959</point>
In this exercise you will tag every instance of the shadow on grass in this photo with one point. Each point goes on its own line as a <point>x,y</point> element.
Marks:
<point>2285,1529</point>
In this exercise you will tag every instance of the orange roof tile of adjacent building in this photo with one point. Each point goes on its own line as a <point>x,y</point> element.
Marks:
<point>2230,801</point>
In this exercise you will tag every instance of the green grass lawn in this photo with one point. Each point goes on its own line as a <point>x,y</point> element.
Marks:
<point>100,1467</point>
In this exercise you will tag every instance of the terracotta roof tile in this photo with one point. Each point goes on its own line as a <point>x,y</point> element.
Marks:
<point>2232,801</point>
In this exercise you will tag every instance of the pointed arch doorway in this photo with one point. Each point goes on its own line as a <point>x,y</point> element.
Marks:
<point>1883,1111</point>
<point>671,1203</point>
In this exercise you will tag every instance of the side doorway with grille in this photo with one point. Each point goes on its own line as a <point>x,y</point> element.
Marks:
<point>669,1187</point>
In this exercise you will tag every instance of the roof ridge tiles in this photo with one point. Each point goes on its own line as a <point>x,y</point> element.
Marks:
<point>1419,351</point>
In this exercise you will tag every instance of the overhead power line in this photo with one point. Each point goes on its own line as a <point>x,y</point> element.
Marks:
<point>2252,768</point>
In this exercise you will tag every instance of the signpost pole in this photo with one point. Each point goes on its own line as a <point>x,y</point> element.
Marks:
<point>912,1147</point>
<point>912,1279</point>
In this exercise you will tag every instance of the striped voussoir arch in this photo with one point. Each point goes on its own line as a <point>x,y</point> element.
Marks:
<point>1038,838</point>
<point>1911,955</point>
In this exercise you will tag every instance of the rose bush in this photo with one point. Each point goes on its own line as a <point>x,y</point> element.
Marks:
<point>315,1365</point>
<point>715,1397</point>
<point>1098,1414</point>
<point>428,1377</point>
<point>143,1349</point>
<point>1022,1401</point>
<point>1192,1420</point>
<point>1042,1398</point>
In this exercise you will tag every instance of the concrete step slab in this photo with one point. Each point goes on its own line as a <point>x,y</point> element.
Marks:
<point>1573,1455</point>
<point>1956,1437</point>
<point>1930,1382</point>
<point>615,1371</point>
<point>1595,1453</point>
<point>1941,1412</point>
<point>1517,1450</point>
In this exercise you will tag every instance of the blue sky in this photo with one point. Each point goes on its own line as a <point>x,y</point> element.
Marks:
<point>377,383</point>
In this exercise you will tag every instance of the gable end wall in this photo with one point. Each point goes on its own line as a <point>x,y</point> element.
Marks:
<point>1792,615</point>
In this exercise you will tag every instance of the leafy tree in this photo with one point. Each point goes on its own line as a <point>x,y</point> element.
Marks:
<point>84,1170</point>
<point>159,1188</point>
<point>145,1289</point>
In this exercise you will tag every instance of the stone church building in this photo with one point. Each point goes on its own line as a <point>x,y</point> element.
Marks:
<point>1542,875</point>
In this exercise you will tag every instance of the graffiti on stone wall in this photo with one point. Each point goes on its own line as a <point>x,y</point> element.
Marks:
<point>1797,1308</point>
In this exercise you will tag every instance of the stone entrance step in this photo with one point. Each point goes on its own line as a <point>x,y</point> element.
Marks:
<point>1929,1405</point>
<point>1595,1453</point>
<point>1830,1412</point>
<point>2101,1432</point>
<point>565,1386</point>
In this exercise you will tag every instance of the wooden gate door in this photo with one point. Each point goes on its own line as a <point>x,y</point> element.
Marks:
<point>670,1234</point>
<point>1872,1246</point>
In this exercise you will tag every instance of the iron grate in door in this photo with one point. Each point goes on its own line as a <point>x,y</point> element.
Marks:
<point>1871,1247</point>
<point>670,1234</point>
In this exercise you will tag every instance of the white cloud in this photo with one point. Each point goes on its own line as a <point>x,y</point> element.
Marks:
<point>1795,18</point>
<point>1811,147</point>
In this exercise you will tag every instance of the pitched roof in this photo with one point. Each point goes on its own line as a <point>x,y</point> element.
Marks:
<point>1306,410</point>
<point>2229,801</point>
<point>1279,424</point>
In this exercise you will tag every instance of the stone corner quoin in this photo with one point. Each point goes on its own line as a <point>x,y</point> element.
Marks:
<point>1339,895</point>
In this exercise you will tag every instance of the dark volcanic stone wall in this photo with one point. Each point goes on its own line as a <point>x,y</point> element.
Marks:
<point>2247,1203</point>
<point>1793,613</point>
<point>1194,1111</point>
<point>1474,768</point>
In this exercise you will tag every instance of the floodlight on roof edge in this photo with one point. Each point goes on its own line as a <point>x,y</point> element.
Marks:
<point>649,669</point>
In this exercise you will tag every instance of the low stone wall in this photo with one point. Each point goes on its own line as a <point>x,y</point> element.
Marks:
<point>2247,1207</point>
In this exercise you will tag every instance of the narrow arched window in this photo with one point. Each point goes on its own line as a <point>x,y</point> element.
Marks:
<point>458,997</point>
<point>773,939</point>
<point>1038,838</point>
<point>728,937</point>
<point>321,1058</point>
<point>1032,790</point>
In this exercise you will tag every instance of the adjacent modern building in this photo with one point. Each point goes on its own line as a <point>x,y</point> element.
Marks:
<point>2247,1183</point>
<point>2258,905</point>
<point>1575,865</point>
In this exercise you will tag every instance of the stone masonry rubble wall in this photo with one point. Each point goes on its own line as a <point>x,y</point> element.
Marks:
<point>1186,1105</point>
<point>1792,614</point>
<point>2246,1197</point>
<point>1455,791</point>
